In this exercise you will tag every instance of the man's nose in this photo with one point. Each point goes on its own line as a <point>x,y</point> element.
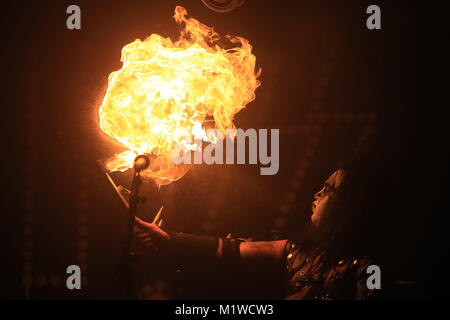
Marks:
<point>318,194</point>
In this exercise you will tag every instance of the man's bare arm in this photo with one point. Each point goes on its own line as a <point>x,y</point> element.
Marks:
<point>255,256</point>
<point>265,250</point>
<point>262,257</point>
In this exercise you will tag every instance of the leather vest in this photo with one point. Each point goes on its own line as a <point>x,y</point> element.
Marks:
<point>310,276</point>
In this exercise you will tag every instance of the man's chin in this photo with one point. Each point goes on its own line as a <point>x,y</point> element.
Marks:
<point>314,221</point>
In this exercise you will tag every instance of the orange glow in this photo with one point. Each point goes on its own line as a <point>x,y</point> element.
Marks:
<point>166,91</point>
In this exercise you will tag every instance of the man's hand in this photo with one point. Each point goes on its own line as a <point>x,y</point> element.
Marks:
<point>151,236</point>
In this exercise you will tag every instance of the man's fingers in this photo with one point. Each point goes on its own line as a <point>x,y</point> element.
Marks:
<point>144,235</point>
<point>148,242</point>
<point>146,226</point>
<point>143,224</point>
<point>136,230</point>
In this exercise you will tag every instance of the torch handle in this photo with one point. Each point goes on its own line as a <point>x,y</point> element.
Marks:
<point>133,204</point>
<point>128,256</point>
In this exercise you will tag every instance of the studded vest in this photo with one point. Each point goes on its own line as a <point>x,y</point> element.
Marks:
<point>310,277</point>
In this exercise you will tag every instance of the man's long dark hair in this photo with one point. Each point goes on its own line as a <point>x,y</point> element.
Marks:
<point>360,224</point>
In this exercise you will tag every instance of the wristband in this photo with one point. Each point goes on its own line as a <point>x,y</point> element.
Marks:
<point>231,253</point>
<point>189,247</point>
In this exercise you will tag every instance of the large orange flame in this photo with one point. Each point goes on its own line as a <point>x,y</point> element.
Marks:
<point>165,91</point>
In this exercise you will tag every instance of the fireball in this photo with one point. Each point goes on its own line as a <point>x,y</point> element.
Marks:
<point>167,89</point>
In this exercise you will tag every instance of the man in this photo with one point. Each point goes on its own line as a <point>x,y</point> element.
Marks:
<point>327,261</point>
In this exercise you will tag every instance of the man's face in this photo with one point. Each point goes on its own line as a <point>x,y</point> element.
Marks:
<point>321,206</point>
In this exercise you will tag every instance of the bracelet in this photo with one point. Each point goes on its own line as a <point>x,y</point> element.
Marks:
<point>231,252</point>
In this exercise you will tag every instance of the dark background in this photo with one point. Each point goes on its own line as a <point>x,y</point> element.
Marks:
<point>328,83</point>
